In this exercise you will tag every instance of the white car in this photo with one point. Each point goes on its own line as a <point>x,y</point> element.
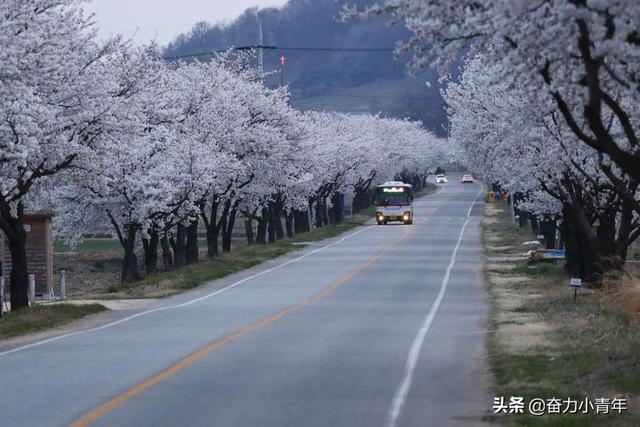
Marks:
<point>441,179</point>
<point>467,179</point>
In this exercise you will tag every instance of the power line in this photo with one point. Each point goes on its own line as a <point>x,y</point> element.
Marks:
<point>337,49</point>
<point>212,52</point>
<point>341,95</point>
<point>293,48</point>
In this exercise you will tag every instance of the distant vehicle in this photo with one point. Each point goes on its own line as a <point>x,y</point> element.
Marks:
<point>441,179</point>
<point>394,202</point>
<point>467,179</point>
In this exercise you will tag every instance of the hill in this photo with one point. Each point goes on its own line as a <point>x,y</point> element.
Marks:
<point>352,80</point>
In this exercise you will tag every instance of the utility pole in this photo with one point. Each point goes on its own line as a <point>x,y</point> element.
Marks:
<point>261,44</point>
<point>283,60</point>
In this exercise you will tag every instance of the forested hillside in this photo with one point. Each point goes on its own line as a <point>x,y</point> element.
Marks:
<point>344,80</point>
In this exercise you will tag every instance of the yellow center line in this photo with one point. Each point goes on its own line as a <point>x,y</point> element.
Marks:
<point>112,404</point>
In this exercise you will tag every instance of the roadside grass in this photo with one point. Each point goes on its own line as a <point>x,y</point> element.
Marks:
<point>169,283</point>
<point>102,245</point>
<point>41,317</point>
<point>544,345</point>
<point>543,269</point>
<point>429,188</point>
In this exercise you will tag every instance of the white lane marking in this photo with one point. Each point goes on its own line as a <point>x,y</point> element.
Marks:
<point>400,397</point>
<point>476,199</point>
<point>193,301</point>
<point>402,392</point>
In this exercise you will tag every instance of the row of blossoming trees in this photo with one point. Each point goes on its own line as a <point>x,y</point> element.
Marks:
<point>548,106</point>
<point>116,140</point>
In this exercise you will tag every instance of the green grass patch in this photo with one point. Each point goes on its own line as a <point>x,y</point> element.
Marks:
<point>550,270</point>
<point>102,245</point>
<point>90,245</point>
<point>41,317</point>
<point>627,382</point>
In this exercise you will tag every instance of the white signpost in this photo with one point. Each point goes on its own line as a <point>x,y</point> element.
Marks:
<point>575,283</point>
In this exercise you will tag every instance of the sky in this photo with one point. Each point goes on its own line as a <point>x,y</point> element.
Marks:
<point>162,20</point>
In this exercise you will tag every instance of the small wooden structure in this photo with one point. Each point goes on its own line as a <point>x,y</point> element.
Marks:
<point>39,253</point>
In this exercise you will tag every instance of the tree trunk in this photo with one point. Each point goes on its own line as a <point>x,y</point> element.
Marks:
<point>167,256</point>
<point>278,220</point>
<point>582,243</point>
<point>178,243</point>
<point>319,222</point>
<point>522,218</point>
<point>263,220</point>
<point>248,229</point>
<point>625,230</point>
<point>325,214</point>
<point>191,248</point>
<point>535,228</point>
<point>19,278</point>
<point>306,220</point>
<point>130,262</point>
<point>289,225</point>
<point>227,232</point>
<point>298,225</point>
<point>211,225</point>
<point>548,229</point>
<point>272,224</point>
<point>337,208</point>
<point>361,200</point>
<point>150,247</point>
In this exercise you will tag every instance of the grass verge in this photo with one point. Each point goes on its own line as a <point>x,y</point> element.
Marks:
<point>41,317</point>
<point>172,282</point>
<point>545,345</point>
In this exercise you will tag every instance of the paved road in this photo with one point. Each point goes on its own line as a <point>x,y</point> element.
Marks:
<point>382,327</point>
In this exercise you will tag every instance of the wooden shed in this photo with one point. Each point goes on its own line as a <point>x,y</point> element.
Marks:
<point>39,253</point>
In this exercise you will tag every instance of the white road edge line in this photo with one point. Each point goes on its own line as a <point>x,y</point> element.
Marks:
<point>400,397</point>
<point>193,301</point>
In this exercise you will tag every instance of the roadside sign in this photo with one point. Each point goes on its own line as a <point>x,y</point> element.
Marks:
<point>575,283</point>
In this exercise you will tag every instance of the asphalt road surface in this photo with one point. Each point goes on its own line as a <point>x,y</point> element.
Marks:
<point>383,326</point>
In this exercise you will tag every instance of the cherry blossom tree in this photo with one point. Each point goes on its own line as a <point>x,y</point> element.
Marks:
<point>510,140</point>
<point>132,180</point>
<point>52,108</point>
<point>582,56</point>
<point>118,141</point>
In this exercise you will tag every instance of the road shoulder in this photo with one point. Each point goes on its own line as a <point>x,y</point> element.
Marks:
<point>544,345</point>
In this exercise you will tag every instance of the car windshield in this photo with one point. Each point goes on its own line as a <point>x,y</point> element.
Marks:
<point>386,196</point>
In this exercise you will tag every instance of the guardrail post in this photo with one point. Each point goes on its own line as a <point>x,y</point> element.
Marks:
<point>32,289</point>
<point>63,284</point>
